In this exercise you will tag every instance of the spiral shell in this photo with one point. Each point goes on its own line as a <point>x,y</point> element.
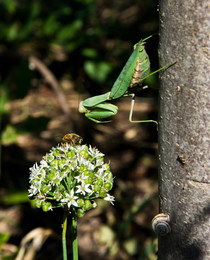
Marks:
<point>161,224</point>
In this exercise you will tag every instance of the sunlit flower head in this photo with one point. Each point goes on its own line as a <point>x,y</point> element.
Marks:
<point>70,176</point>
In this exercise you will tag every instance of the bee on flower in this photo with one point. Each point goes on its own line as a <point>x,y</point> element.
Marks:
<point>71,175</point>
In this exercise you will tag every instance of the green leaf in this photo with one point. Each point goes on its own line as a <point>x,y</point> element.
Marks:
<point>10,134</point>
<point>70,31</point>
<point>16,197</point>
<point>11,6</point>
<point>51,25</point>
<point>89,53</point>
<point>35,9</point>
<point>4,98</point>
<point>4,237</point>
<point>12,31</point>
<point>97,71</point>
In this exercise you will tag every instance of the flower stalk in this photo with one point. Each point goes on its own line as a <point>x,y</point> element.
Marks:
<point>64,228</point>
<point>74,235</point>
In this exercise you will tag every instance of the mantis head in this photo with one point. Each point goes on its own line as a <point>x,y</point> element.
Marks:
<point>99,112</point>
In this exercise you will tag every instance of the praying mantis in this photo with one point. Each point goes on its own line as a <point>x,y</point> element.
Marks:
<point>136,69</point>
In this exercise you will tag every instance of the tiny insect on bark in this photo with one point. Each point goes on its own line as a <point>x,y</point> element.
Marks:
<point>72,139</point>
<point>181,159</point>
<point>136,69</point>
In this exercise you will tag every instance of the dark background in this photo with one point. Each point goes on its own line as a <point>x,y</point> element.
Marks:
<point>84,44</point>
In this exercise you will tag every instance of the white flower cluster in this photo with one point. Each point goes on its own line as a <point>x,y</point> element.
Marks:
<point>71,176</point>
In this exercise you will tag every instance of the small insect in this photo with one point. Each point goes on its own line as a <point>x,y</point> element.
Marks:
<point>72,139</point>
<point>181,159</point>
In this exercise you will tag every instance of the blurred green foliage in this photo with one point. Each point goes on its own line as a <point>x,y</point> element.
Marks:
<point>92,27</point>
<point>42,21</point>
<point>4,238</point>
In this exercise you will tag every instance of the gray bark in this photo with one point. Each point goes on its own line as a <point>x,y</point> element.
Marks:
<point>184,130</point>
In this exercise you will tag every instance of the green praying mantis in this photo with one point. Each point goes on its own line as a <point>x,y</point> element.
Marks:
<point>136,69</point>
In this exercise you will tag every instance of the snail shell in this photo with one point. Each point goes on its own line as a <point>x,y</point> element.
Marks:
<point>161,224</point>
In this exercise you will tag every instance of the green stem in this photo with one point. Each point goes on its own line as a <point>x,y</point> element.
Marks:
<point>74,234</point>
<point>64,235</point>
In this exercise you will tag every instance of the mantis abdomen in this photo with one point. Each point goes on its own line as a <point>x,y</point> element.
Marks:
<point>142,69</point>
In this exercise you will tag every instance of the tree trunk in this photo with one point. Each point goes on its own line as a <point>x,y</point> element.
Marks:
<point>184,130</point>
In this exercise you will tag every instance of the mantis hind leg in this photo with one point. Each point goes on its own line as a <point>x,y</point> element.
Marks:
<point>156,71</point>
<point>131,113</point>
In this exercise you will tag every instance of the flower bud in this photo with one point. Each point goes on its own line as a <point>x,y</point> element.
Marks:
<point>88,205</point>
<point>46,206</point>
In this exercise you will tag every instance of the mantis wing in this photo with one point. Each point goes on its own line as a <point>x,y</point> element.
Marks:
<point>123,82</point>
